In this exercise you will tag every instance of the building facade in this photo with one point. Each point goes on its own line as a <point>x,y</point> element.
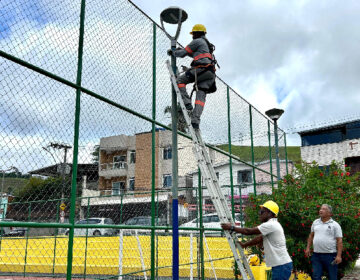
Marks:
<point>339,142</point>
<point>242,175</point>
<point>125,175</point>
<point>125,163</point>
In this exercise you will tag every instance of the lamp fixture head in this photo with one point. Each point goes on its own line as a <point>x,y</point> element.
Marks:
<point>274,113</point>
<point>171,15</point>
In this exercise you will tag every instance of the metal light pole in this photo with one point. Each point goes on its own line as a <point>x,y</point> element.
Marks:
<point>63,165</point>
<point>275,114</point>
<point>174,15</point>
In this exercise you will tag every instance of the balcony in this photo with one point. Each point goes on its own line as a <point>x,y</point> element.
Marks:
<point>113,169</point>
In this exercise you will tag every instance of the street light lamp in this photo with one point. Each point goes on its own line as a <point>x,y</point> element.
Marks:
<point>174,15</point>
<point>275,114</point>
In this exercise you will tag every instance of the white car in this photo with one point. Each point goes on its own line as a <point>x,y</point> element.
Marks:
<point>94,231</point>
<point>210,221</point>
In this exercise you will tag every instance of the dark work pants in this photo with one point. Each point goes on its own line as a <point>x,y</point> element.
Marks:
<point>321,262</point>
<point>205,80</point>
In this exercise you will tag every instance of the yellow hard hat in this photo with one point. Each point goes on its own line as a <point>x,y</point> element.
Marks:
<point>272,206</point>
<point>253,260</point>
<point>198,28</point>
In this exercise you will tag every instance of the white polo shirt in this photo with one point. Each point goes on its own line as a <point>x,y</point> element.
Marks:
<point>325,235</point>
<point>274,243</point>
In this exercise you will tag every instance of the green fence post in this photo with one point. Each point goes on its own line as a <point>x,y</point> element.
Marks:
<point>27,240</point>
<point>241,207</point>
<point>55,238</point>
<point>87,232</point>
<point>270,157</point>
<point>157,240</point>
<point>2,231</point>
<point>286,158</point>
<point>201,237</point>
<point>153,140</point>
<point>252,148</point>
<point>76,144</point>
<point>230,159</point>
<point>121,206</point>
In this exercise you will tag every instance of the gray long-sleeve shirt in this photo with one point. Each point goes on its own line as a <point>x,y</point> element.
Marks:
<point>198,49</point>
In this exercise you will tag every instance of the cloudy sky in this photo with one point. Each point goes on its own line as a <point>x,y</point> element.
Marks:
<point>301,56</point>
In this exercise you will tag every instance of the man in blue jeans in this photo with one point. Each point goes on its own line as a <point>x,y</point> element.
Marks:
<point>271,236</point>
<point>326,237</point>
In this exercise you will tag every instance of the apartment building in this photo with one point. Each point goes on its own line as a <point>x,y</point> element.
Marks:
<point>125,175</point>
<point>340,142</point>
<point>125,162</point>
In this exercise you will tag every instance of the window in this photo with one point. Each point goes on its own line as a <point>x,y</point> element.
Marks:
<point>167,153</point>
<point>244,176</point>
<point>167,181</point>
<point>206,219</point>
<point>118,188</point>
<point>132,184</point>
<point>215,219</point>
<point>144,221</point>
<point>119,162</point>
<point>108,221</point>
<point>322,137</point>
<point>132,156</point>
<point>89,221</point>
<point>132,221</point>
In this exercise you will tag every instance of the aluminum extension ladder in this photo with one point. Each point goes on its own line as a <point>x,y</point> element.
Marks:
<point>212,184</point>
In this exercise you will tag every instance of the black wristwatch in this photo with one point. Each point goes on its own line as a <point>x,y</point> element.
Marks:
<point>232,229</point>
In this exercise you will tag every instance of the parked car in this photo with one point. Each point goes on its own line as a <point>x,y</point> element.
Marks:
<point>16,232</point>
<point>94,231</point>
<point>11,231</point>
<point>142,221</point>
<point>209,221</point>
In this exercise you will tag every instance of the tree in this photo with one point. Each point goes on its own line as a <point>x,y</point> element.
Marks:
<point>42,189</point>
<point>96,154</point>
<point>300,196</point>
<point>181,119</point>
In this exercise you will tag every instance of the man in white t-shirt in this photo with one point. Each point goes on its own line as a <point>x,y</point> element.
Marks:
<point>326,238</point>
<point>271,235</point>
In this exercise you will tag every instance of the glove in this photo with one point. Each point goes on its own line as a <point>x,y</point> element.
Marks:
<point>170,52</point>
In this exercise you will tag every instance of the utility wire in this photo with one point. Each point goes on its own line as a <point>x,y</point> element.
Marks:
<point>332,122</point>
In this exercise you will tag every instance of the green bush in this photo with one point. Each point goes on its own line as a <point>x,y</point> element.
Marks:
<point>300,196</point>
<point>43,189</point>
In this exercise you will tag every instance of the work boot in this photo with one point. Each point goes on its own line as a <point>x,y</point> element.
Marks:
<point>189,107</point>
<point>195,125</point>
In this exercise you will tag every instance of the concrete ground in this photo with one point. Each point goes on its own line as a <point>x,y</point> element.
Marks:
<point>355,274</point>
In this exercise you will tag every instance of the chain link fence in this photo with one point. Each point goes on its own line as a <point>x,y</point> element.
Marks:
<point>86,155</point>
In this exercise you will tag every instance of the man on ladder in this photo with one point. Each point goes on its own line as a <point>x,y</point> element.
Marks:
<point>201,73</point>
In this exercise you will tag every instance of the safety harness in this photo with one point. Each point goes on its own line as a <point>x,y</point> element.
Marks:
<point>207,67</point>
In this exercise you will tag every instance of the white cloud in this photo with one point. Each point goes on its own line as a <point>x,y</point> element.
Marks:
<point>301,56</point>
<point>309,48</point>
